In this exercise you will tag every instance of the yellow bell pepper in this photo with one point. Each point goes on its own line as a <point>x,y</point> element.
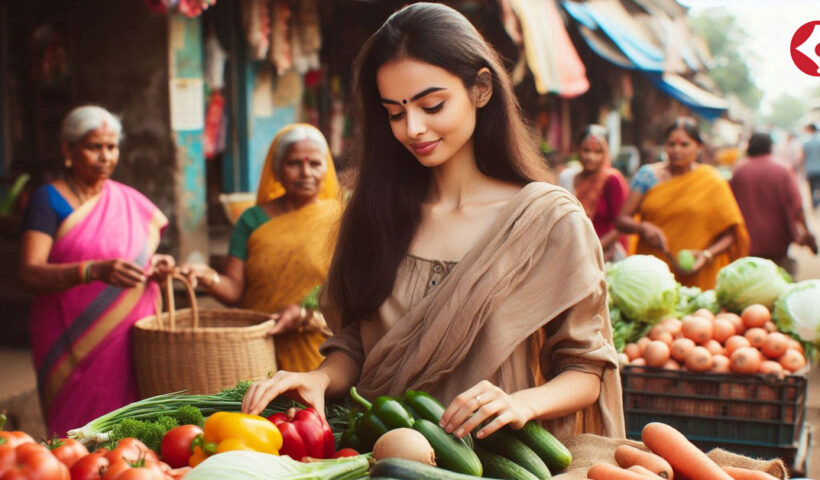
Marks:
<point>225,431</point>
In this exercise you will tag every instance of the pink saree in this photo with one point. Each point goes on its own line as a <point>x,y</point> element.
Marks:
<point>81,340</point>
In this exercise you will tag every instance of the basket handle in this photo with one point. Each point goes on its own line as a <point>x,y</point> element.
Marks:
<point>168,293</point>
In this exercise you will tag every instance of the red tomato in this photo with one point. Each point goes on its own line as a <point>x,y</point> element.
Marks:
<point>139,470</point>
<point>176,445</point>
<point>131,450</point>
<point>89,467</point>
<point>14,439</point>
<point>32,460</point>
<point>345,452</point>
<point>67,450</point>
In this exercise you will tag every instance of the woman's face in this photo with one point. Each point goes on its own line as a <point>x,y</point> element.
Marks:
<point>681,149</point>
<point>303,169</point>
<point>95,156</point>
<point>592,153</point>
<point>430,111</point>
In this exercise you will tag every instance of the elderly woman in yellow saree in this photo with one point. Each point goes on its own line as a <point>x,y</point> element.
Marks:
<point>280,249</point>
<point>683,205</point>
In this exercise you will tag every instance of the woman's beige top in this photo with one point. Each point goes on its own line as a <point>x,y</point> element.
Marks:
<point>525,304</point>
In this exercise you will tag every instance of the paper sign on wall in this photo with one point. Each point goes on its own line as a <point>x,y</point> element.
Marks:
<point>187,104</point>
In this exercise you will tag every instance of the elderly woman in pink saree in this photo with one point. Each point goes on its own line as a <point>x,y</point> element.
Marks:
<point>88,251</point>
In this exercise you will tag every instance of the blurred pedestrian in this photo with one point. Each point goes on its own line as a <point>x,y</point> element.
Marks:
<point>684,205</point>
<point>88,250</point>
<point>600,188</point>
<point>280,249</point>
<point>811,163</point>
<point>771,205</point>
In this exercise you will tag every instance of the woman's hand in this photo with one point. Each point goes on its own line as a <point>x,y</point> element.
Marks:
<point>478,404</point>
<point>197,273</point>
<point>306,388</point>
<point>653,236</point>
<point>160,267</point>
<point>117,272</point>
<point>287,320</point>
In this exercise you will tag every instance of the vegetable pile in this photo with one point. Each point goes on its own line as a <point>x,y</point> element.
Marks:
<point>703,342</point>
<point>639,318</point>
<point>671,456</point>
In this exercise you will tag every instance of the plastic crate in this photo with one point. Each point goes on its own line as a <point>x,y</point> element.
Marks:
<point>750,414</point>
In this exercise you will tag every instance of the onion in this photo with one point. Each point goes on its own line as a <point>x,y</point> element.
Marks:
<point>404,443</point>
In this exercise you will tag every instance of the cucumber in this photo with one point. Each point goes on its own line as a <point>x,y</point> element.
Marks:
<point>501,467</point>
<point>402,469</point>
<point>550,449</point>
<point>452,453</point>
<point>505,443</point>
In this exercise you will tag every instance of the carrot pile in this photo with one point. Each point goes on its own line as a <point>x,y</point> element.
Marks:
<point>671,456</point>
<point>704,342</point>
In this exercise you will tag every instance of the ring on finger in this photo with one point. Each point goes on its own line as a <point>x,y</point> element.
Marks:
<point>478,400</point>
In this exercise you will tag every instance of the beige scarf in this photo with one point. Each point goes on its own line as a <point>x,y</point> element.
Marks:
<point>540,262</point>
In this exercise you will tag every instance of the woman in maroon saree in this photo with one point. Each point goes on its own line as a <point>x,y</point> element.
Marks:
<point>88,250</point>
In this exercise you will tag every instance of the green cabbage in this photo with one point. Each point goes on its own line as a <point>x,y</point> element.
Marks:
<point>247,465</point>
<point>750,280</point>
<point>642,288</point>
<point>798,310</point>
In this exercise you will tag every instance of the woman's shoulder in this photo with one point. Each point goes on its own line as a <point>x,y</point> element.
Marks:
<point>550,199</point>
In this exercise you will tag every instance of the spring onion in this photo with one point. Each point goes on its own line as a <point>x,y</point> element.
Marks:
<point>230,400</point>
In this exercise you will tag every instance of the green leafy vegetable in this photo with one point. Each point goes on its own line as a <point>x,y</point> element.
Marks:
<point>150,432</point>
<point>311,300</point>
<point>750,280</point>
<point>642,288</point>
<point>247,465</point>
<point>190,415</point>
<point>797,311</point>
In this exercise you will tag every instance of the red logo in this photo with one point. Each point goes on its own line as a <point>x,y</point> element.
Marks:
<point>805,48</point>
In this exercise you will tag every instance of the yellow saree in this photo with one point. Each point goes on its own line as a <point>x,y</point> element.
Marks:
<point>692,210</point>
<point>287,257</point>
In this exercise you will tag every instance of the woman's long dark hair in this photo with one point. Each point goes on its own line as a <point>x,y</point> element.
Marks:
<point>385,210</point>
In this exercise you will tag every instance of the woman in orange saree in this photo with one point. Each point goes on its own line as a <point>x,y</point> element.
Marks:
<point>88,250</point>
<point>281,248</point>
<point>684,205</point>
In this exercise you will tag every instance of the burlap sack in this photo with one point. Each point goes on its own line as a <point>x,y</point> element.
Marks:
<point>588,449</point>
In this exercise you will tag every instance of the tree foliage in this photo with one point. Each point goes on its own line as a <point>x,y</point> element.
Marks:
<point>725,38</point>
<point>786,111</point>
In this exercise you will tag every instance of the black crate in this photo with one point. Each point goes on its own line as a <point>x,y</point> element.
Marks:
<point>756,415</point>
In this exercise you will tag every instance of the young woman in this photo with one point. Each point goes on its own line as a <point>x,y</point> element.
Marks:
<point>601,189</point>
<point>456,271</point>
<point>685,205</point>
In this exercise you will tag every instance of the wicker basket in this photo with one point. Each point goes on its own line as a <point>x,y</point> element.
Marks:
<point>200,351</point>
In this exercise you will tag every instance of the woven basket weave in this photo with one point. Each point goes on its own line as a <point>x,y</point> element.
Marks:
<point>201,351</point>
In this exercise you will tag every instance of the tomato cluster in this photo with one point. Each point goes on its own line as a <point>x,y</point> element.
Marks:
<point>21,458</point>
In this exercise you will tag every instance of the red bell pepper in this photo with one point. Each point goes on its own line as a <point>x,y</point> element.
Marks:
<point>304,434</point>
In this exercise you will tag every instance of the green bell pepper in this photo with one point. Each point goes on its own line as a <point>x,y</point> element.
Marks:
<point>383,414</point>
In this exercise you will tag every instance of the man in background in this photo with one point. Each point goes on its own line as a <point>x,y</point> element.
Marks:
<point>769,200</point>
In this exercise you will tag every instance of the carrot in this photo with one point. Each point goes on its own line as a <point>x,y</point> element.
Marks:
<point>644,471</point>
<point>628,456</point>
<point>685,458</point>
<point>606,471</point>
<point>747,474</point>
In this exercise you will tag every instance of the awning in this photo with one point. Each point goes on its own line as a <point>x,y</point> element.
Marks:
<point>551,56</point>
<point>631,37</point>
<point>612,33</point>
<point>701,101</point>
